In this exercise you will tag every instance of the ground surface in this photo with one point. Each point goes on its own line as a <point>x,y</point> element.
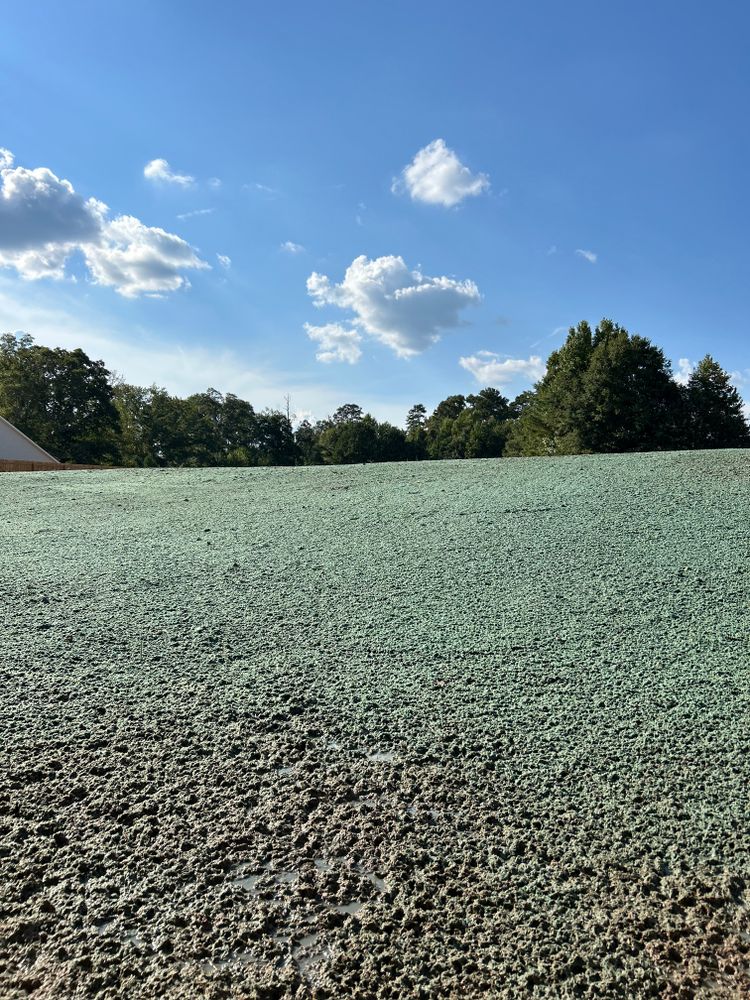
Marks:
<point>436,730</point>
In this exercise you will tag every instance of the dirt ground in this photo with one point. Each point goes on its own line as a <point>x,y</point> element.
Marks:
<point>431,730</point>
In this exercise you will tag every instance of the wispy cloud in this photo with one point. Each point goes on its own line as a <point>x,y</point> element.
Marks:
<point>262,188</point>
<point>191,215</point>
<point>291,248</point>
<point>588,255</point>
<point>226,262</point>
<point>160,171</point>
<point>555,333</point>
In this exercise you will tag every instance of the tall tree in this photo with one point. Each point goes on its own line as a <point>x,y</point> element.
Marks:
<point>606,391</point>
<point>61,399</point>
<point>347,413</point>
<point>714,409</point>
<point>239,431</point>
<point>439,428</point>
<point>348,441</point>
<point>551,421</point>
<point>275,439</point>
<point>307,439</point>
<point>416,435</point>
<point>630,400</point>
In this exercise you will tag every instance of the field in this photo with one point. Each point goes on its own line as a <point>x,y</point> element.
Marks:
<point>423,730</point>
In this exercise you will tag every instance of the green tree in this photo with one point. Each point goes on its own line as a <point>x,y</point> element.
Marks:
<point>61,399</point>
<point>201,426</point>
<point>550,422</point>
<point>714,417</point>
<point>489,404</point>
<point>606,391</point>
<point>348,441</point>
<point>391,444</point>
<point>347,413</point>
<point>134,409</point>
<point>275,439</point>
<point>630,401</point>
<point>239,431</point>
<point>307,439</point>
<point>416,435</point>
<point>439,428</point>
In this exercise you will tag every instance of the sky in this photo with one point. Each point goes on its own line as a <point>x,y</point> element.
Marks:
<point>383,204</point>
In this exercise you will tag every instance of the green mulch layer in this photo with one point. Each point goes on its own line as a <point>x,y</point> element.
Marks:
<point>425,730</point>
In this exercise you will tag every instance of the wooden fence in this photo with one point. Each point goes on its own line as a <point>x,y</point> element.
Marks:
<point>13,465</point>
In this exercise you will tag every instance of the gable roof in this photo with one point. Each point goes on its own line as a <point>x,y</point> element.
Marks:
<point>16,446</point>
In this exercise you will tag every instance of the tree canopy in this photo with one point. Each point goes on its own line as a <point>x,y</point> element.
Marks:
<point>61,399</point>
<point>604,390</point>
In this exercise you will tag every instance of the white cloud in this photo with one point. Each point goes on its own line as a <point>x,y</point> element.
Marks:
<point>335,342</point>
<point>226,262</point>
<point>6,158</point>
<point>197,211</point>
<point>403,309</point>
<point>140,260</point>
<point>160,171</point>
<point>214,182</point>
<point>588,255</point>
<point>489,368</point>
<point>685,369</point>
<point>437,176</point>
<point>292,248</point>
<point>43,221</point>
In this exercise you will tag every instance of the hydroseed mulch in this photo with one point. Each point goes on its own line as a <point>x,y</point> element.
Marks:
<point>420,730</point>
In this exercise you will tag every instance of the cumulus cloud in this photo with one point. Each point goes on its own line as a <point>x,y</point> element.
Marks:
<point>226,262</point>
<point>489,368</point>
<point>588,255</point>
<point>39,211</point>
<point>405,310</point>
<point>335,342</point>
<point>6,158</point>
<point>43,221</point>
<point>437,176</point>
<point>161,172</point>
<point>140,260</point>
<point>292,248</point>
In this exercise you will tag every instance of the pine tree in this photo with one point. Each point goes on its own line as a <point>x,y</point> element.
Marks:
<point>714,409</point>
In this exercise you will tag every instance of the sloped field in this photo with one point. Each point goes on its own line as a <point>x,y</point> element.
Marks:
<point>436,730</point>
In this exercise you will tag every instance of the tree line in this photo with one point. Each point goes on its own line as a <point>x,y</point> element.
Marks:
<point>604,390</point>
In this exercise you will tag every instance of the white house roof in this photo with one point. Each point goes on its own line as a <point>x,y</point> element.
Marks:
<point>16,447</point>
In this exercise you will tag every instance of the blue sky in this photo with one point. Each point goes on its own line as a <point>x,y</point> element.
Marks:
<point>301,138</point>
